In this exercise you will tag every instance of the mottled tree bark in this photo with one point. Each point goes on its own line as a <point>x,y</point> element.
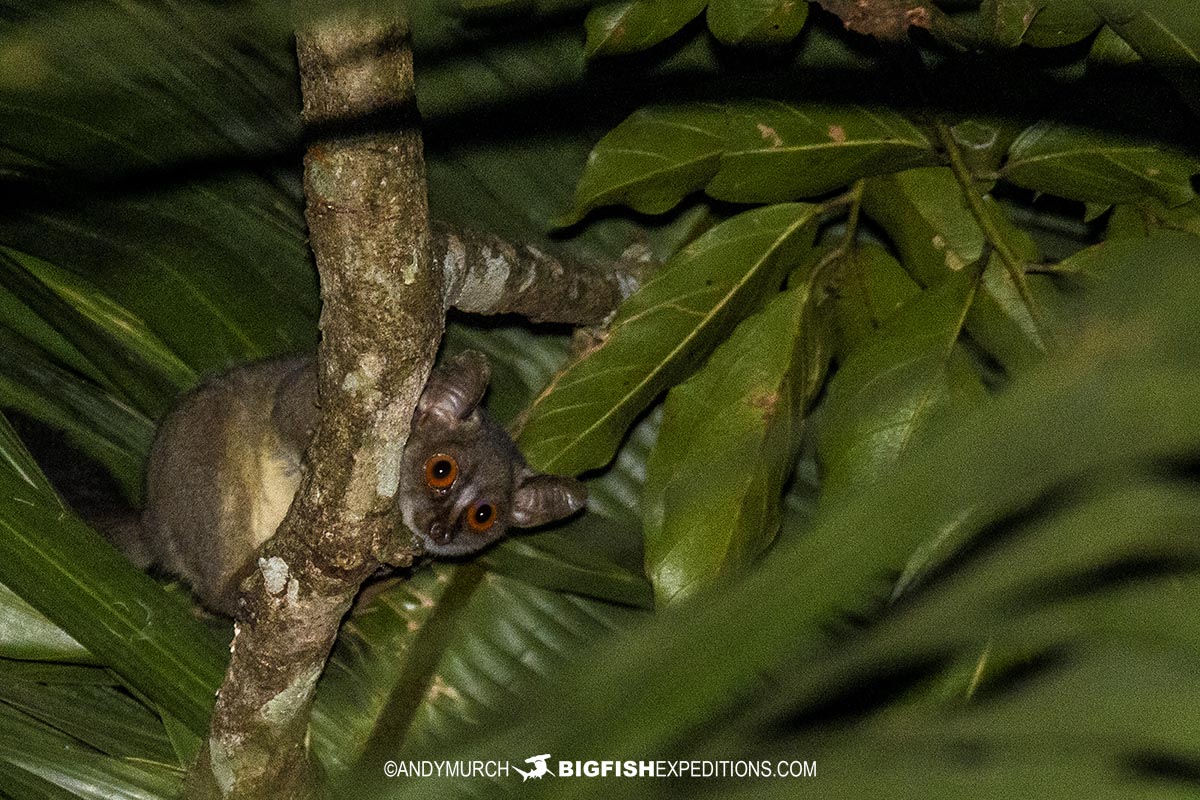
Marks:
<point>381,321</point>
<point>484,274</point>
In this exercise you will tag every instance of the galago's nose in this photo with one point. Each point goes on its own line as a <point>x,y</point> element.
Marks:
<point>440,533</point>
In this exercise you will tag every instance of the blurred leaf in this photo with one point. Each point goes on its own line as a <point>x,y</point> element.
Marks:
<point>660,333</point>
<point>628,26</point>
<point>778,151</point>
<point>1166,33</point>
<point>728,440</point>
<point>467,644</point>
<point>66,572</point>
<point>926,216</point>
<point>1150,215</point>
<point>1098,167</point>
<point>377,655</point>
<point>909,381</point>
<point>49,672</point>
<point>218,78</point>
<point>742,22</point>
<point>1110,50</point>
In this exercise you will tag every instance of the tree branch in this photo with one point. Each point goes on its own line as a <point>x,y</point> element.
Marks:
<point>381,321</point>
<point>485,274</point>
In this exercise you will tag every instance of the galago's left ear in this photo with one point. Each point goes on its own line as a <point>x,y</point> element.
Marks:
<point>541,499</point>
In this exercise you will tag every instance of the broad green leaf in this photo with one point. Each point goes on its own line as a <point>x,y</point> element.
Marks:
<point>749,22</point>
<point>910,381</point>
<point>926,215</point>
<point>1166,33</point>
<point>1107,413</point>
<point>27,635</point>
<point>661,333</point>
<point>1093,166</point>
<point>728,440</point>
<point>871,286</point>
<point>67,573</point>
<point>628,26</point>
<point>1062,22</point>
<point>653,159</point>
<point>745,152</point>
<point>778,151</point>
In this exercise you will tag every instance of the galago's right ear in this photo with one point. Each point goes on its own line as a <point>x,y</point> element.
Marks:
<point>454,390</point>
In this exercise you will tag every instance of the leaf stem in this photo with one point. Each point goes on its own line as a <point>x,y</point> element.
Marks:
<point>853,199</point>
<point>1012,263</point>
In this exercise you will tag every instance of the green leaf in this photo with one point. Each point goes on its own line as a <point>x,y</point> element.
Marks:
<point>777,151</point>
<point>871,286</point>
<point>100,716</point>
<point>908,382</point>
<point>35,754</point>
<point>727,443</point>
<point>1166,33</point>
<point>589,556</point>
<point>1062,22</point>
<point>926,216</point>
<point>429,661</point>
<point>660,333</point>
<point>744,152</point>
<point>66,572</point>
<point>653,159</point>
<point>100,424</point>
<point>120,345</point>
<point>1097,167</point>
<point>25,634</point>
<point>743,22</point>
<point>1004,22</point>
<point>628,26</point>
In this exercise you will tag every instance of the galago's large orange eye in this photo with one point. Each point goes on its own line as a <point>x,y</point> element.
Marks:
<point>481,516</point>
<point>441,471</point>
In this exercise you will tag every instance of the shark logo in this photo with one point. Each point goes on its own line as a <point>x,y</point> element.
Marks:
<point>538,770</point>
